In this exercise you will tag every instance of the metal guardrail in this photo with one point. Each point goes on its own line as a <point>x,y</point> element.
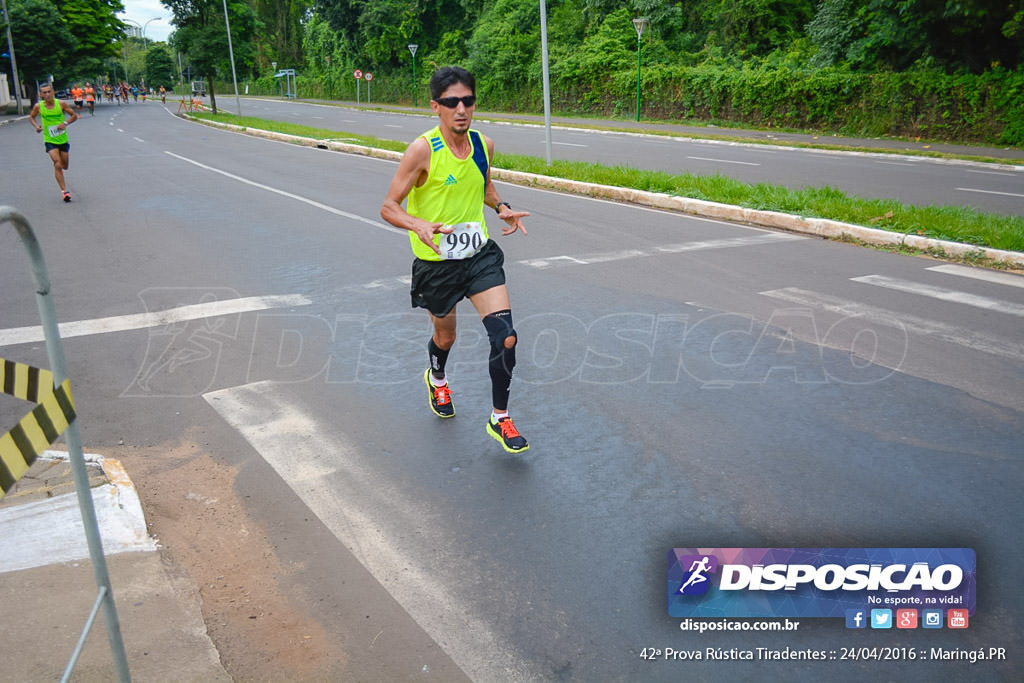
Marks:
<point>27,443</point>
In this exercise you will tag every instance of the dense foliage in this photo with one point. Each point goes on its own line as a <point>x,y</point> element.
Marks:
<point>939,67</point>
<point>202,33</point>
<point>68,39</point>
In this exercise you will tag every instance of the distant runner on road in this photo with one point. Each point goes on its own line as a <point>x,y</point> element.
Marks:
<point>55,134</point>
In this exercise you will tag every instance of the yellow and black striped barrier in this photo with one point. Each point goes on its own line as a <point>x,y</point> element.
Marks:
<point>55,410</point>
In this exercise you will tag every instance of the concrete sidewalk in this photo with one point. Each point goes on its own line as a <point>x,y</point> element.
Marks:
<point>47,586</point>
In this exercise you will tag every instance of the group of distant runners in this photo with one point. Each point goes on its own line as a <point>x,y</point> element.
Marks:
<point>117,92</point>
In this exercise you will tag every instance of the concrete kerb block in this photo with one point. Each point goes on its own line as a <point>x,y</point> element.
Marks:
<point>820,227</point>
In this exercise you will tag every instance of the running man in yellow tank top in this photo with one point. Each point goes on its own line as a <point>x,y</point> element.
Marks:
<point>54,128</point>
<point>445,175</point>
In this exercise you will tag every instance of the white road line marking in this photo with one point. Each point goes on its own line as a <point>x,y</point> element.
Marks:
<point>138,139</point>
<point>396,537</point>
<point>724,161</point>
<point>587,259</point>
<point>138,321</point>
<point>1008,175</point>
<point>894,163</point>
<point>1005,194</point>
<point>942,294</point>
<point>960,336</point>
<point>120,130</point>
<point>283,193</point>
<point>565,144</point>
<point>392,125</point>
<point>986,275</point>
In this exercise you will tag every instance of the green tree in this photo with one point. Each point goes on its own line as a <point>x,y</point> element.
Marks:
<point>504,53</point>
<point>95,28</point>
<point>958,35</point>
<point>281,37</point>
<point>40,38</point>
<point>160,67</point>
<point>202,36</point>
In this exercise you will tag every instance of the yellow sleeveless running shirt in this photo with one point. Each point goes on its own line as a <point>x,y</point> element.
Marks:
<point>51,118</point>
<point>453,192</point>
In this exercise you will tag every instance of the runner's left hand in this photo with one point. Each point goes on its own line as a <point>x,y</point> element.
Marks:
<point>512,222</point>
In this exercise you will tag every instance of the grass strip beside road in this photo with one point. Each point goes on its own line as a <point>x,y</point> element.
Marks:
<point>952,223</point>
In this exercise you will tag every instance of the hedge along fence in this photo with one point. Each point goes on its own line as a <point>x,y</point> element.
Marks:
<point>982,108</point>
<point>988,107</point>
<point>336,85</point>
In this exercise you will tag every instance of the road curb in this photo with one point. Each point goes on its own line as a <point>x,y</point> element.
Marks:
<point>820,227</point>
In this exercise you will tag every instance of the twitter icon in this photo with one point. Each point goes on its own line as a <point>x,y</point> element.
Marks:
<point>881,618</point>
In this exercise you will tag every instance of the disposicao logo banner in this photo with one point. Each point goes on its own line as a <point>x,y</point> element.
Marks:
<point>817,582</point>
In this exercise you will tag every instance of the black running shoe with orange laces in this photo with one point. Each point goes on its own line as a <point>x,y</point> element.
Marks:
<point>66,196</point>
<point>440,398</point>
<point>505,433</point>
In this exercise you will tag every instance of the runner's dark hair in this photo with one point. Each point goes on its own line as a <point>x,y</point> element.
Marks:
<point>447,76</point>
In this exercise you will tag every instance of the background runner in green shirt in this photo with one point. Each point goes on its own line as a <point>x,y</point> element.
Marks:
<point>54,129</point>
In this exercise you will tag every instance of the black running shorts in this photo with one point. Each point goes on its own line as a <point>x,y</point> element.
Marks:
<point>438,285</point>
<point>64,146</point>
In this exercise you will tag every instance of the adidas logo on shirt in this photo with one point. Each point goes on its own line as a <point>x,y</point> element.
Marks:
<point>450,180</point>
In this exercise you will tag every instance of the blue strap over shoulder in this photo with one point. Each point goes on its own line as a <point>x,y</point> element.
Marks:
<point>479,154</point>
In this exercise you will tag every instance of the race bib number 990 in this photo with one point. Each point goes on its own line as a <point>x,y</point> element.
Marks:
<point>465,240</point>
<point>55,131</point>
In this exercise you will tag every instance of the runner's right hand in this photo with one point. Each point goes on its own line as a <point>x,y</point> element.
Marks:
<point>426,232</point>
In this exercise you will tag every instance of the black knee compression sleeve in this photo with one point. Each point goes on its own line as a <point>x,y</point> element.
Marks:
<point>503,355</point>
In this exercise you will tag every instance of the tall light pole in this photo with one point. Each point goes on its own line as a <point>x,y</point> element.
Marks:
<point>126,47</point>
<point>545,79</point>
<point>231,51</point>
<point>145,45</point>
<point>415,88</point>
<point>640,23</point>
<point>14,61</point>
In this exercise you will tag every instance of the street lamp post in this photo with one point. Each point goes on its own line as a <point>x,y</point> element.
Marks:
<point>415,90</point>
<point>640,23</point>
<point>14,61</point>
<point>545,79</point>
<point>145,45</point>
<point>231,52</point>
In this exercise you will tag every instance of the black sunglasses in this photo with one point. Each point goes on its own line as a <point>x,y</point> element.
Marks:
<point>452,102</point>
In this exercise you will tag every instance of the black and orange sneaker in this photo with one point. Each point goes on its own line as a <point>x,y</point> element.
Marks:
<point>67,196</point>
<point>440,398</point>
<point>505,433</point>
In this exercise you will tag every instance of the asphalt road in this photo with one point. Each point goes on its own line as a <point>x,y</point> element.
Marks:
<point>910,179</point>
<point>683,383</point>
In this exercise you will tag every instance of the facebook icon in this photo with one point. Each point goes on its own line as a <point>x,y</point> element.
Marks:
<point>855,618</point>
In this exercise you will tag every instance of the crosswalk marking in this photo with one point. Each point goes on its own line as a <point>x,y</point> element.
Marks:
<point>137,321</point>
<point>606,257</point>
<point>954,334</point>
<point>979,274</point>
<point>390,533</point>
<point>942,293</point>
